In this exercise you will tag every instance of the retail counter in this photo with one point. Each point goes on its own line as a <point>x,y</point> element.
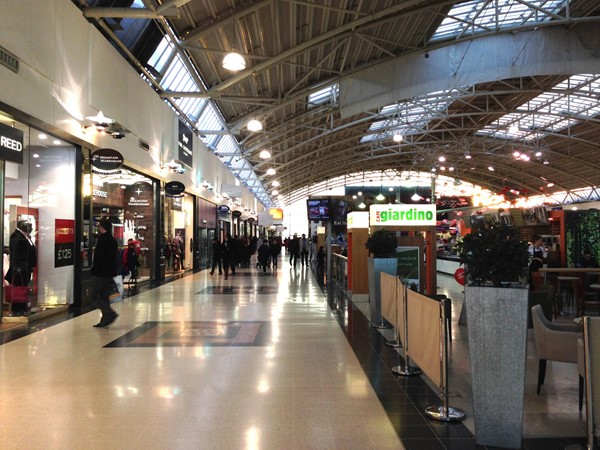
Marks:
<point>447,264</point>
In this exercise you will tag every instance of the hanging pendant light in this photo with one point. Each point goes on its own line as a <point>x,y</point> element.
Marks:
<point>254,125</point>
<point>234,61</point>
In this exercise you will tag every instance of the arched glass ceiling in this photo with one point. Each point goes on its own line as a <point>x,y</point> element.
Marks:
<point>479,16</point>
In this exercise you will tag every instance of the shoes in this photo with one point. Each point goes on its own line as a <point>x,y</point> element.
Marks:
<point>211,273</point>
<point>105,323</point>
<point>113,317</point>
<point>220,273</point>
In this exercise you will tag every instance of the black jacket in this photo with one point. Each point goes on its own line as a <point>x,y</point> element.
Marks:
<point>105,256</point>
<point>23,259</point>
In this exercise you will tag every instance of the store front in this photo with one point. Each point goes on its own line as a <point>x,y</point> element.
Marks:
<point>37,189</point>
<point>178,237</point>
<point>127,199</point>
<point>206,232</point>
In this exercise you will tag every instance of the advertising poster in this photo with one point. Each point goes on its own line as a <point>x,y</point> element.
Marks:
<point>409,267</point>
<point>64,241</point>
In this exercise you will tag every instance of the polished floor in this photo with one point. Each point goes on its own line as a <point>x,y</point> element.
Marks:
<point>258,361</point>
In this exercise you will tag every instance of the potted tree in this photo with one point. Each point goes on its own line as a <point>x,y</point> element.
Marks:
<point>495,259</point>
<point>382,246</point>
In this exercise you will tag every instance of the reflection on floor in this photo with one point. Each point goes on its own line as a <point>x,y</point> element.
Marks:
<point>254,361</point>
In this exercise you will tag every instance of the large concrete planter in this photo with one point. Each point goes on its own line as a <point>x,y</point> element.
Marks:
<point>374,266</point>
<point>497,327</point>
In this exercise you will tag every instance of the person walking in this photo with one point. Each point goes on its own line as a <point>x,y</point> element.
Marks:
<point>228,255</point>
<point>104,268</point>
<point>294,248</point>
<point>304,247</point>
<point>275,251</point>
<point>216,256</point>
<point>264,253</point>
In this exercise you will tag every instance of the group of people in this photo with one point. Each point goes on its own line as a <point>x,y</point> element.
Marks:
<point>231,253</point>
<point>298,249</point>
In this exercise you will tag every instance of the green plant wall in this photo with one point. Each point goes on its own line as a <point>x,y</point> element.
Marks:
<point>583,232</point>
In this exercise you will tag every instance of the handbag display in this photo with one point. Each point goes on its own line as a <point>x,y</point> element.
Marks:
<point>16,294</point>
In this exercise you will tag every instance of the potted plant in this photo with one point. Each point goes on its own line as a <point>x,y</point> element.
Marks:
<point>496,305</point>
<point>382,245</point>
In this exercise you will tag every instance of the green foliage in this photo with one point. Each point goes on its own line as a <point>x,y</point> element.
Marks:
<point>382,244</point>
<point>493,254</point>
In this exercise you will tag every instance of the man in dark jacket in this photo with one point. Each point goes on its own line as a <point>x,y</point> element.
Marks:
<point>23,259</point>
<point>104,268</point>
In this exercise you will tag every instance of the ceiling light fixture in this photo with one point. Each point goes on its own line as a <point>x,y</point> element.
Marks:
<point>234,61</point>
<point>397,137</point>
<point>254,125</point>
<point>275,183</point>
<point>265,154</point>
<point>100,118</point>
<point>361,205</point>
<point>271,171</point>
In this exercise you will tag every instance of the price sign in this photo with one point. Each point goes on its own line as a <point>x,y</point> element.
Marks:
<point>64,241</point>
<point>459,276</point>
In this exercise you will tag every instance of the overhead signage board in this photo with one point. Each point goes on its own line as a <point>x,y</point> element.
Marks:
<point>402,215</point>
<point>358,219</point>
<point>265,219</point>
<point>174,189</point>
<point>11,144</point>
<point>106,159</point>
<point>186,145</point>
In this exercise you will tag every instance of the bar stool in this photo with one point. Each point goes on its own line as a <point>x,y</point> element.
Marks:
<point>565,283</point>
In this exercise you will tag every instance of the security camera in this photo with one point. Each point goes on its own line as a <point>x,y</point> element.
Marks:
<point>180,170</point>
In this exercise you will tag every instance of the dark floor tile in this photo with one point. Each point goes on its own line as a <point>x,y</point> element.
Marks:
<point>407,431</point>
<point>450,430</point>
<point>403,418</point>
<point>461,444</point>
<point>423,444</point>
<point>550,444</point>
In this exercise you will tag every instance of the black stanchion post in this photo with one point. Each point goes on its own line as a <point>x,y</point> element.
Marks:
<point>444,413</point>
<point>395,343</point>
<point>407,370</point>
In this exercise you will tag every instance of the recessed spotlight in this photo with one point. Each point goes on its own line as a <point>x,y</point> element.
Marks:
<point>43,136</point>
<point>442,158</point>
<point>56,142</point>
<point>36,155</point>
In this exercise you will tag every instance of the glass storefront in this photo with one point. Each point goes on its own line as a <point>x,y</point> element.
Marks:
<point>178,239</point>
<point>126,198</point>
<point>38,222</point>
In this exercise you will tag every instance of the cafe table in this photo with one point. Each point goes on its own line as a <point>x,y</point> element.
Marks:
<point>567,274</point>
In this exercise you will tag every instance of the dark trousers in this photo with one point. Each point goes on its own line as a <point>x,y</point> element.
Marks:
<point>215,263</point>
<point>304,257</point>
<point>102,287</point>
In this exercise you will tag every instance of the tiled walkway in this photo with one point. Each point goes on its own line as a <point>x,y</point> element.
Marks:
<point>260,361</point>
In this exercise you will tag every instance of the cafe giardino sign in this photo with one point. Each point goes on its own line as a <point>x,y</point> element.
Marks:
<point>402,215</point>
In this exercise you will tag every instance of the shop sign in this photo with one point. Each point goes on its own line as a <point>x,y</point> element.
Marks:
<point>186,145</point>
<point>11,144</point>
<point>174,189</point>
<point>223,209</point>
<point>64,241</point>
<point>106,159</point>
<point>402,215</point>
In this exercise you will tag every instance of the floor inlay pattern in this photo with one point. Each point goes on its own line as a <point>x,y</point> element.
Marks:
<point>197,333</point>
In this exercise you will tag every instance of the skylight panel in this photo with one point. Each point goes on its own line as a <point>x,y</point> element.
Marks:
<point>479,16</point>
<point>324,95</point>
<point>208,122</point>
<point>568,103</point>
<point>227,146</point>
<point>162,54</point>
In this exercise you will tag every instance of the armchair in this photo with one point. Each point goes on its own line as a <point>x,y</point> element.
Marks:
<point>554,342</point>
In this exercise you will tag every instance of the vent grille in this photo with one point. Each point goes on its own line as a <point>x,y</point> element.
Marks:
<point>144,145</point>
<point>9,60</point>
